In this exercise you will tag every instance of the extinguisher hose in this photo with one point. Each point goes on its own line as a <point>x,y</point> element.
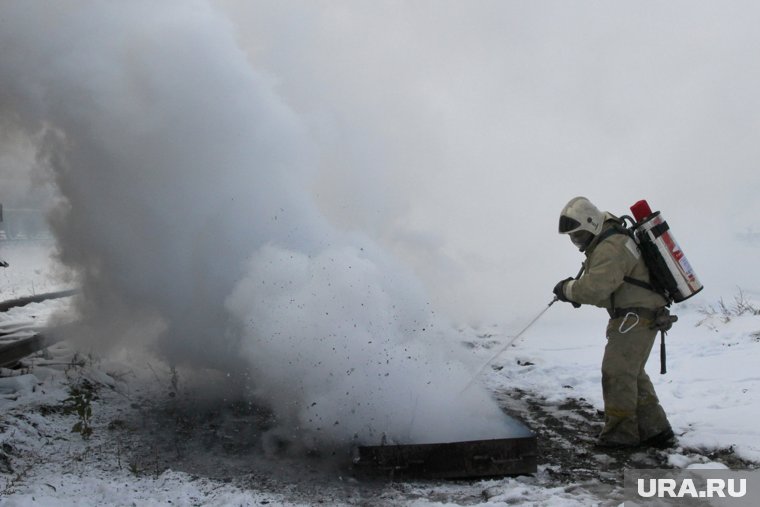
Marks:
<point>518,335</point>
<point>663,368</point>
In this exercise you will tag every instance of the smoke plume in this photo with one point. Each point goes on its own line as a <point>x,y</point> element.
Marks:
<point>185,209</point>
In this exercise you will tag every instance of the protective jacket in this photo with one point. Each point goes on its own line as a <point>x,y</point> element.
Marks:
<point>610,258</point>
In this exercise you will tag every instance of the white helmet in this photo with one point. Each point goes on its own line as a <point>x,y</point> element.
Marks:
<point>581,220</point>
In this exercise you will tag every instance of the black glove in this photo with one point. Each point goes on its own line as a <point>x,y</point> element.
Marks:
<point>559,291</point>
<point>4,264</point>
<point>663,320</point>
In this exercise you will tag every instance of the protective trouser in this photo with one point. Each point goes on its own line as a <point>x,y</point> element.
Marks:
<point>632,411</point>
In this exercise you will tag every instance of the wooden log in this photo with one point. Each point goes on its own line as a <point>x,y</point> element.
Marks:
<point>14,303</point>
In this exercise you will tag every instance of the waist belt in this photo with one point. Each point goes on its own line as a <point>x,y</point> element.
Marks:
<point>643,313</point>
<point>648,314</point>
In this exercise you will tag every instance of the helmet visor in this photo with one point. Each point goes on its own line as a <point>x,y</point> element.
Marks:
<point>567,224</point>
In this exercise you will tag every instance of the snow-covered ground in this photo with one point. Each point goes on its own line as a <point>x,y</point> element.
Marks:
<point>153,444</point>
<point>712,385</point>
<point>31,269</point>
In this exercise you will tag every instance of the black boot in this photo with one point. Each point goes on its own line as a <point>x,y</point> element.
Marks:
<point>662,440</point>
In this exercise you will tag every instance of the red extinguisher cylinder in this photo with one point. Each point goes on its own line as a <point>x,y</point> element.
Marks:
<point>651,228</point>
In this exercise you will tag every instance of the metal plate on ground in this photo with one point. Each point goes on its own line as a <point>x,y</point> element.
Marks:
<point>452,460</point>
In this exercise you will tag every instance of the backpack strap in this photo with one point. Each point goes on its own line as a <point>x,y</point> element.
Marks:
<point>619,228</point>
<point>616,229</point>
<point>639,283</point>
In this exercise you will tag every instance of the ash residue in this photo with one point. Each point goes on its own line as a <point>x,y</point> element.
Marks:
<point>232,440</point>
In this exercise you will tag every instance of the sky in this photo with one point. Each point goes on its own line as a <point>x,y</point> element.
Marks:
<point>455,132</point>
<point>374,173</point>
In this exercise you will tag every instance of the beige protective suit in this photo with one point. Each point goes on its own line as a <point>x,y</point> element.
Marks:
<point>632,411</point>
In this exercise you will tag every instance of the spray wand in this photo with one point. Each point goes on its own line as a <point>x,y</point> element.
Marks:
<point>505,347</point>
<point>517,336</point>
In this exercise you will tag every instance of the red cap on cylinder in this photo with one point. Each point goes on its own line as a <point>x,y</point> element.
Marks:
<point>641,210</point>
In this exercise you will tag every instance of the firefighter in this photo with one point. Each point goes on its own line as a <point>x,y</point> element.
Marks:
<point>614,277</point>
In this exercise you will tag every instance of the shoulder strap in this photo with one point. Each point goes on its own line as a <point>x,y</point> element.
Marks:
<point>606,234</point>
<point>639,283</point>
<point>619,228</point>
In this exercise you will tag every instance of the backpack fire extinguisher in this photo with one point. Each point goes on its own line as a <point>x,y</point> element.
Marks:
<point>669,269</point>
